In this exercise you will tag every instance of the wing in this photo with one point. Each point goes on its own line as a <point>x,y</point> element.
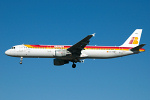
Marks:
<point>76,48</point>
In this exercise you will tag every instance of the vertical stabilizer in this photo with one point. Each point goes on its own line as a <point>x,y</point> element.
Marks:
<point>134,39</point>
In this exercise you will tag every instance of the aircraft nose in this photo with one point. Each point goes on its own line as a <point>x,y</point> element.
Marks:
<point>7,52</point>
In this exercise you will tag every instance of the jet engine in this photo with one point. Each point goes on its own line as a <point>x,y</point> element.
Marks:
<point>60,53</point>
<point>59,62</point>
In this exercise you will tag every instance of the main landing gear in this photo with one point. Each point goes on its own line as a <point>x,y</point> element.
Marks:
<point>73,65</point>
<point>21,58</point>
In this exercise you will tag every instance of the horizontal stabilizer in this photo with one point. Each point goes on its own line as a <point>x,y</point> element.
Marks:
<point>138,47</point>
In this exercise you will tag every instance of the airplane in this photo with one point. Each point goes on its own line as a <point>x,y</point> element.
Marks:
<point>63,54</point>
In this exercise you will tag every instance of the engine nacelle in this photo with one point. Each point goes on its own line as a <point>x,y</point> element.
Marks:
<point>59,62</point>
<point>61,53</point>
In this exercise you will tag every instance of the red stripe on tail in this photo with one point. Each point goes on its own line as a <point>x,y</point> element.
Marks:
<point>131,41</point>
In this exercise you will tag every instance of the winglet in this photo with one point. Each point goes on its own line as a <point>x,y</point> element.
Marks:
<point>94,34</point>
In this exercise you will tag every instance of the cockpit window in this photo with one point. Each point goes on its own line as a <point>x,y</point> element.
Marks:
<point>13,48</point>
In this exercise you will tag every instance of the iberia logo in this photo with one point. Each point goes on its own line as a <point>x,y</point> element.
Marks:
<point>134,40</point>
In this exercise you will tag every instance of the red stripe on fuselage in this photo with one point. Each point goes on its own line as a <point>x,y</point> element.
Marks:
<point>96,47</point>
<point>87,47</point>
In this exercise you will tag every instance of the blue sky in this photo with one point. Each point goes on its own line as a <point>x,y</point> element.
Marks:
<point>67,22</point>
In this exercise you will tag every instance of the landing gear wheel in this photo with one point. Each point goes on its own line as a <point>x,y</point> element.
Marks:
<point>73,65</point>
<point>21,58</point>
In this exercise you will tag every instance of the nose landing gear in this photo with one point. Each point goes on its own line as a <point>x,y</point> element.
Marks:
<point>21,58</point>
<point>73,65</point>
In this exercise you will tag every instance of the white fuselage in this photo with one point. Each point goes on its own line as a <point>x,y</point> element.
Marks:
<point>23,51</point>
<point>64,54</point>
